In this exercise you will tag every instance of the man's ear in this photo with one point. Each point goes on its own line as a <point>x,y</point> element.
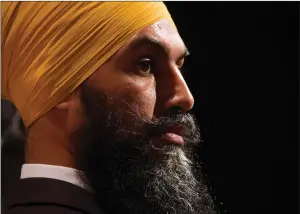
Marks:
<point>71,101</point>
<point>68,113</point>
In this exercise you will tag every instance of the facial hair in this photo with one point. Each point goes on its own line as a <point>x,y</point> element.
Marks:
<point>128,171</point>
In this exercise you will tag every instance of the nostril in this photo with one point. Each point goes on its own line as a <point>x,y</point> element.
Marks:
<point>175,110</point>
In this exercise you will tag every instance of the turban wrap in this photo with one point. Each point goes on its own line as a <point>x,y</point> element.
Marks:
<point>50,48</point>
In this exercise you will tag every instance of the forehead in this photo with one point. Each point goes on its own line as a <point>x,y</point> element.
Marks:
<point>161,33</point>
<point>161,29</point>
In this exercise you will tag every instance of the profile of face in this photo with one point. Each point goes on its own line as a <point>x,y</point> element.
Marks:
<point>136,144</point>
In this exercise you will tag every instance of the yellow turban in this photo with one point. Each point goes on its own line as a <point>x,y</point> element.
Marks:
<point>50,48</point>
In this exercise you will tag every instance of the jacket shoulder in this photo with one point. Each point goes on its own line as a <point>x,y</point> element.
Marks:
<point>42,209</point>
<point>45,196</point>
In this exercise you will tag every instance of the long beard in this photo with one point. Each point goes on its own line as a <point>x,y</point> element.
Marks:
<point>131,174</point>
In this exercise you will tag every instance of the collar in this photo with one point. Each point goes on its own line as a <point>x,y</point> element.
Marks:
<point>62,173</point>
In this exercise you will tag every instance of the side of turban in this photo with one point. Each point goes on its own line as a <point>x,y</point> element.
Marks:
<point>50,48</point>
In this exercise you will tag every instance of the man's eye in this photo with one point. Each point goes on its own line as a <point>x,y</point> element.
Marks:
<point>146,65</point>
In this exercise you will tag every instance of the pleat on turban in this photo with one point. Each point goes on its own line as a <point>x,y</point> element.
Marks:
<point>50,48</point>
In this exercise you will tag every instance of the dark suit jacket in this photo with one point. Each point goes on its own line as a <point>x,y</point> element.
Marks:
<point>49,196</point>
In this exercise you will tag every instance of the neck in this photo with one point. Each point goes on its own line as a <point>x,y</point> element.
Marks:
<point>48,144</point>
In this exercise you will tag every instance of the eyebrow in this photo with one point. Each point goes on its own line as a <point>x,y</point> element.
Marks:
<point>146,40</point>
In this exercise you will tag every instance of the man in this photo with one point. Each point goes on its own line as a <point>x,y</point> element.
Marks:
<point>99,88</point>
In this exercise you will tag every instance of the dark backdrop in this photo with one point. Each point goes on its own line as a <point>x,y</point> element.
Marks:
<point>243,74</point>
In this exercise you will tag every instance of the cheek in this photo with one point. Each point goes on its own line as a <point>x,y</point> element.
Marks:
<point>140,94</point>
<point>136,92</point>
<point>147,103</point>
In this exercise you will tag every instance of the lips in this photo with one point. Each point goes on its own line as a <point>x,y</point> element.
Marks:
<point>173,135</point>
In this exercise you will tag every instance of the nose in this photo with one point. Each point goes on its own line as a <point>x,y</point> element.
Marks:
<point>176,93</point>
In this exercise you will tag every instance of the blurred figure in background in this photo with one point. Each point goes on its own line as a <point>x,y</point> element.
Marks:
<point>12,153</point>
<point>8,111</point>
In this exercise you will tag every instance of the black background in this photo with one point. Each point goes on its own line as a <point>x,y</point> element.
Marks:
<point>244,77</point>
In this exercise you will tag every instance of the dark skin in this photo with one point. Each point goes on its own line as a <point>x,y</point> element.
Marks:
<point>145,74</point>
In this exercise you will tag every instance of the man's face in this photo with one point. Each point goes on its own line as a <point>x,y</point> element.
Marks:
<point>148,72</point>
<point>136,147</point>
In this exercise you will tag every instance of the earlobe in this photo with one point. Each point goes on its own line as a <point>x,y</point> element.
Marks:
<point>72,101</point>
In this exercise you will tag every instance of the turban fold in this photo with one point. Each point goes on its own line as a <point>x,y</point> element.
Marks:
<point>50,48</point>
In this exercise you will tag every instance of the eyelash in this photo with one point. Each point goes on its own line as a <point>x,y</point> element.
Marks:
<point>149,62</point>
<point>152,65</point>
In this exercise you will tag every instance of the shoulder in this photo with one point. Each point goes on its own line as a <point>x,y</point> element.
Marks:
<point>42,209</point>
<point>45,196</point>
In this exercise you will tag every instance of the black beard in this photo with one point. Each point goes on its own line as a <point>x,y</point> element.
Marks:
<point>128,172</point>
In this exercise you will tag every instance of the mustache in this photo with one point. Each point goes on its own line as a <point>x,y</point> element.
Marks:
<point>140,126</point>
<point>186,121</point>
<point>134,124</point>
